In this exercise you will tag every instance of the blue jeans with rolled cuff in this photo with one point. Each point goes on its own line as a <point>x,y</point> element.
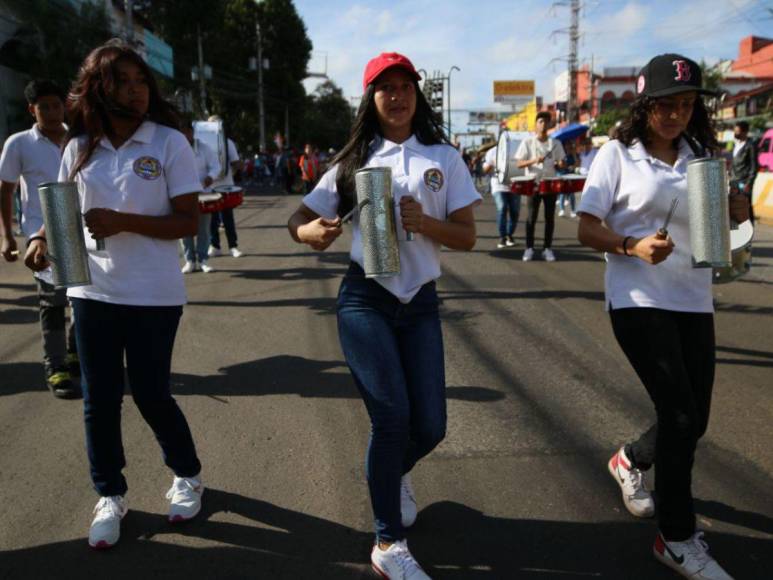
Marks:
<point>395,354</point>
<point>144,335</point>
<point>507,204</point>
<point>198,251</point>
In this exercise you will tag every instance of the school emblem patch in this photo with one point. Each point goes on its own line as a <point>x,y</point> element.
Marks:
<point>148,168</point>
<point>433,179</point>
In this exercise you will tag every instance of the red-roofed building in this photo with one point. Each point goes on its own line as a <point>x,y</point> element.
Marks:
<point>755,57</point>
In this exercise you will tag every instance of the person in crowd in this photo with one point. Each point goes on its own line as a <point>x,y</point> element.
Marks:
<point>508,204</point>
<point>570,166</point>
<point>226,217</point>
<point>660,307</point>
<point>208,169</point>
<point>309,166</point>
<point>744,166</point>
<point>540,155</point>
<point>389,327</point>
<point>587,155</point>
<point>138,187</point>
<point>33,157</point>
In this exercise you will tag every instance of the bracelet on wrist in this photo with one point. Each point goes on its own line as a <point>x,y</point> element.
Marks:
<point>625,245</point>
<point>33,238</point>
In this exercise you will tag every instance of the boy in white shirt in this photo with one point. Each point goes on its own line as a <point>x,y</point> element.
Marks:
<point>32,157</point>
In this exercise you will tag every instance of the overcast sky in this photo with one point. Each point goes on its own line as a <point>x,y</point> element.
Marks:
<point>511,39</point>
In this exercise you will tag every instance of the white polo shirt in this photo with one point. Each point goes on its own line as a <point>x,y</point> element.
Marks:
<point>233,155</point>
<point>207,163</point>
<point>141,177</point>
<point>632,192</point>
<point>435,176</point>
<point>533,148</point>
<point>32,158</point>
<point>491,161</point>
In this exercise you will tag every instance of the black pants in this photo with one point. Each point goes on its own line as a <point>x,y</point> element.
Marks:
<point>673,354</point>
<point>550,218</point>
<point>227,216</point>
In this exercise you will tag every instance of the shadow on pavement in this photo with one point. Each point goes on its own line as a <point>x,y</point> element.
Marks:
<point>295,375</point>
<point>753,358</point>
<point>451,541</point>
<point>19,316</point>
<point>289,274</point>
<point>727,513</point>
<point>449,295</point>
<point>21,377</point>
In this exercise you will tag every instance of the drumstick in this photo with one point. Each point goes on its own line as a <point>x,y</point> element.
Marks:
<point>14,252</point>
<point>663,232</point>
<point>357,207</point>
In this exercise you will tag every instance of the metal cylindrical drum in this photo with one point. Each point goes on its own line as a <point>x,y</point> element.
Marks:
<point>64,234</point>
<point>707,193</point>
<point>377,221</point>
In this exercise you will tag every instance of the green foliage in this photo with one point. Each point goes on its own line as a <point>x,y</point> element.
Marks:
<point>608,119</point>
<point>712,77</point>
<point>328,117</point>
<point>53,37</point>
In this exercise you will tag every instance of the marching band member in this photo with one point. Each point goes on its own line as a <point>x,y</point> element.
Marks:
<point>138,187</point>
<point>660,307</point>
<point>389,328</point>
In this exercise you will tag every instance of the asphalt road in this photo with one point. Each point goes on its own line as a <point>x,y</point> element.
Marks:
<point>539,398</point>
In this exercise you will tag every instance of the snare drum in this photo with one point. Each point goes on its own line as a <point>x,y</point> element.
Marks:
<point>522,185</point>
<point>574,183</point>
<point>233,195</point>
<point>550,185</point>
<point>210,202</point>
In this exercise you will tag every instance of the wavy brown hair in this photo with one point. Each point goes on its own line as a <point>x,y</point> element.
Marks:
<point>91,98</point>
<point>634,128</point>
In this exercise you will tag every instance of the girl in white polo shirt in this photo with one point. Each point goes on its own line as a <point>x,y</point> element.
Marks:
<point>660,307</point>
<point>138,188</point>
<point>389,328</point>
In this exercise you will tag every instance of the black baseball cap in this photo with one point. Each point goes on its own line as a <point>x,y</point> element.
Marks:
<point>669,74</point>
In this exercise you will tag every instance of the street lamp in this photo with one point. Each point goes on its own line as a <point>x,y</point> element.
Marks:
<point>453,68</point>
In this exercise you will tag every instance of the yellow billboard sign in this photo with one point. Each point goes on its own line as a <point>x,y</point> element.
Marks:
<point>523,120</point>
<point>508,91</point>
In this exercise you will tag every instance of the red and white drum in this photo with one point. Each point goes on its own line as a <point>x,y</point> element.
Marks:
<point>574,183</point>
<point>550,185</point>
<point>522,185</point>
<point>210,202</point>
<point>233,195</point>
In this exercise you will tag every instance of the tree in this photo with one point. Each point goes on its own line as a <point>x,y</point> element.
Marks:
<point>608,119</point>
<point>328,117</point>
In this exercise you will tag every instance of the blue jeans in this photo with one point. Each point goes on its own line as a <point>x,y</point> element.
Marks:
<point>145,335</point>
<point>395,354</point>
<point>507,202</point>
<point>563,197</point>
<point>202,241</point>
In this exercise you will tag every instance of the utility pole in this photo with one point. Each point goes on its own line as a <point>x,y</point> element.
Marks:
<point>128,7</point>
<point>261,109</point>
<point>574,37</point>
<point>202,83</point>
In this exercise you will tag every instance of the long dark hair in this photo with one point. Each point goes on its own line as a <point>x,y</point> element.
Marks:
<point>425,125</point>
<point>634,127</point>
<point>91,98</point>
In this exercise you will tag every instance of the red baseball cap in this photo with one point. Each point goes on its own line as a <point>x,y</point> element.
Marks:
<point>384,61</point>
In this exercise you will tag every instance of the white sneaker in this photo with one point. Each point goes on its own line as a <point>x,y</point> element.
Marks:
<point>501,243</point>
<point>206,268</point>
<point>690,558</point>
<point>509,242</point>
<point>528,255</point>
<point>407,501</point>
<point>236,252</point>
<point>106,527</point>
<point>188,267</point>
<point>185,494</point>
<point>636,497</point>
<point>561,213</point>
<point>573,214</point>
<point>548,255</point>
<point>213,251</point>
<point>396,563</point>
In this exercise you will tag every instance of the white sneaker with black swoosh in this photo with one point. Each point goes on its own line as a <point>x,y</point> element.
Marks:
<point>690,558</point>
<point>636,497</point>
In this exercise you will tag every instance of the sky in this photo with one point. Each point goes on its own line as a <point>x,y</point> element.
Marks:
<point>514,39</point>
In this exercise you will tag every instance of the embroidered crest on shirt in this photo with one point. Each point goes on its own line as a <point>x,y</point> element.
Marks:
<point>148,168</point>
<point>433,179</point>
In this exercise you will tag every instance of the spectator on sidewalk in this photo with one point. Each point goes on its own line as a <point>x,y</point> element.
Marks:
<point>309,166</point>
